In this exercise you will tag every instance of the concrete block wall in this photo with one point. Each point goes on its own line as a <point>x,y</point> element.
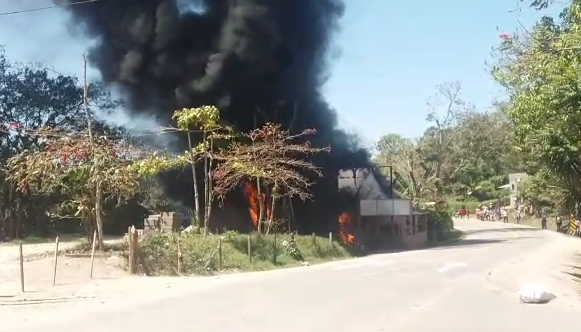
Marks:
<point>166,221</point>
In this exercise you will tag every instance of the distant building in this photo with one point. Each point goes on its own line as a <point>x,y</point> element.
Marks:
<point>515,181</point>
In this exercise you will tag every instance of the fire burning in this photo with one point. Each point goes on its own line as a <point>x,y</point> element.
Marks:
<point>251,194</point>
<point>346,222</point>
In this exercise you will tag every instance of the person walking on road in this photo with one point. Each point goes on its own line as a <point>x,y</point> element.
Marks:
<point>517,216</point>
<point>504,215</point>
<point>559,222</point>
<point>544,219</point>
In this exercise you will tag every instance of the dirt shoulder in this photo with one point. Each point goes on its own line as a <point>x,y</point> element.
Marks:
<point>74,286</point>
<point>76,293</point>
<point>552,266</point>
<point>10,253</point>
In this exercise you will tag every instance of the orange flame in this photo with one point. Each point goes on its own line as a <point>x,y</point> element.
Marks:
<point>251,194</point>
<point>346,221</point>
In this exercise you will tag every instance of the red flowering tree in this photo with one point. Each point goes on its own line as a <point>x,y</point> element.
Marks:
<point>75,167</point>
<point>275,161</point>
<point>504,36</point>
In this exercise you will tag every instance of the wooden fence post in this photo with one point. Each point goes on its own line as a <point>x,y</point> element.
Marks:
<point>93,252</point>
<point>21,267</point>
<point>133,242</point>
<point>220,252</point>
<point>56,259</point>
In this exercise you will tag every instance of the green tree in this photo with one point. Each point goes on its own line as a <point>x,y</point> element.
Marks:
<point>464,154</point>
<point>33,97</point>
<point>540,70</point>
<point>440,139</point>
<point>275,160</point>
<point>72,166</point>
<point>485,141</point>
<point>204,120</point>
<point>413,176</point>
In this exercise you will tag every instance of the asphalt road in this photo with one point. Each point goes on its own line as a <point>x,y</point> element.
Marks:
<point>463,287</point>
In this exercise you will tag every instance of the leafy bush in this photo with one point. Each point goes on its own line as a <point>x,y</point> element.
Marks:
<point>440,223</point>
<point>201,254</point>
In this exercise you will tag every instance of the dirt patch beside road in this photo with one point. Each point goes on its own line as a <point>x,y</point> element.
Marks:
<point>549,266</point>
<point>9,253</point>
<point>74,285</point>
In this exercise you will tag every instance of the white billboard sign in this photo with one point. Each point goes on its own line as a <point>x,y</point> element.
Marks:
<point>385,207</point>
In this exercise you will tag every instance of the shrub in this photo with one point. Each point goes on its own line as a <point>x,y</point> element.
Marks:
<point>440,223</point>
<point>201,254</point>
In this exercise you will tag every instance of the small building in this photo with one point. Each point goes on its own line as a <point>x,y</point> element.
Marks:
<point>515,181</point>
<point>383,218</point>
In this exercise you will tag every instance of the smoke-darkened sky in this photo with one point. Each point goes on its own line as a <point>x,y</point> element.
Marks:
<point>384,71</point>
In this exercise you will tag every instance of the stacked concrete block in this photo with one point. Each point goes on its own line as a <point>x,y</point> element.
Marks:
<point>166,221</point>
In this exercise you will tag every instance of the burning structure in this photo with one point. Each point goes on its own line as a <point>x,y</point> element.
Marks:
<point>258,61</point>
<point>380,217</point>
<point>254,201</point>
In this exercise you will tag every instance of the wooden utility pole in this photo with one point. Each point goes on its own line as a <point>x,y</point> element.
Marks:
<point>98,188</point>
<point>86,98</point>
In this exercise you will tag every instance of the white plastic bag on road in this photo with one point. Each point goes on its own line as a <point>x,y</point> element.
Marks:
<point>536,294</point>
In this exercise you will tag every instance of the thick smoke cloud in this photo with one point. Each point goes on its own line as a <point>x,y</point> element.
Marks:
<point>257,60</point>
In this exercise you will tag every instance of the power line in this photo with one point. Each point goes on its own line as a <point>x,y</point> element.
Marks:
<point>45,8</point>
<point>22,11</point>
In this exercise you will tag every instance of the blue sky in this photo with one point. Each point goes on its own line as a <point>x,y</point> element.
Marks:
<point>393,54</point>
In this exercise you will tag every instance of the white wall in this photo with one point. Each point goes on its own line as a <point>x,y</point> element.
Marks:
<point>386,207</point>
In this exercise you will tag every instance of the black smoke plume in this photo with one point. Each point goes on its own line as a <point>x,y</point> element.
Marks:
<point>257,60</point>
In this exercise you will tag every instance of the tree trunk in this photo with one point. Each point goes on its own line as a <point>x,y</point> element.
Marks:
<point>197,212</point>
<point>210,186</point>
<point>4,210</point>
<point>291,216</point>
<point>286,213</point>
<point>18,220</point>
<point>271,219</point>
<point>260,206</point>
<point>10,214</point>
<point>99,215</point>
<point>206,199</point>
<point>89,229</point>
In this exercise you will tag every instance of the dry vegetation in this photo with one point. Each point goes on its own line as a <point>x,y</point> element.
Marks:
<point>201,255</point>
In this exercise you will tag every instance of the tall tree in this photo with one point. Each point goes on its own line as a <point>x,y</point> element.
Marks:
<point>485,142</point>
<point>32,97</point>
<point>540,70</point>
<point>446,108</point>
<point>412,176</point>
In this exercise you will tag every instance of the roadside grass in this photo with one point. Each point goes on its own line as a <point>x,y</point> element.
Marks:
<point>536,222</point>
<point>109,246</point>
<point>203,255</point>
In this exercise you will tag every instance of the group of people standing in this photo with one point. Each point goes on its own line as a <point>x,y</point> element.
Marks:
<point>490,212</point>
